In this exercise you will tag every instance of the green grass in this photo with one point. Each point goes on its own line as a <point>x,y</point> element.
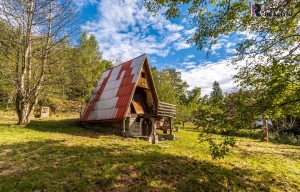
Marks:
<point>58,155</point>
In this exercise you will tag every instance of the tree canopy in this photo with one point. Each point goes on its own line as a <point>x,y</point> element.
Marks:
<point>271,56</point>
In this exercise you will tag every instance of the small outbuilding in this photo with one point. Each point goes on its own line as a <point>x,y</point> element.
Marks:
<point>125,101</point>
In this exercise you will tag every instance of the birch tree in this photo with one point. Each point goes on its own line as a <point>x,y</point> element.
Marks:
<point>36,26</point>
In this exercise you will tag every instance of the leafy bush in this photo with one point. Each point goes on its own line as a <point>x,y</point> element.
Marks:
<point>218,149</point>
<point>285,138</point>
<point>275,137</point>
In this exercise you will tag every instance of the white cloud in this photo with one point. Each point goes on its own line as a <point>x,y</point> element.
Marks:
<point>190,32</point>
<point>126,30</point>
<point>204,75</point>
<point>190,56</point>
<point>174,27</point>
<point>247,34</point>
<point>172,37</point>
<point>230,44</point>
<point>189,65</point>
<point>231,50</point>
<point>184,20</point>
<point>181,45</point>
<point>216,47</point>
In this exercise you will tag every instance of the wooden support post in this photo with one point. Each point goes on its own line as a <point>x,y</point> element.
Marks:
<point>154,135</point>
<point>265,130</point>
<point>171,126</point>
<point>124,127</point>
<point>154,128</point>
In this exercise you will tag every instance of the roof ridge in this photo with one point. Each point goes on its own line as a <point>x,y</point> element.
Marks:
<point>124,62</point>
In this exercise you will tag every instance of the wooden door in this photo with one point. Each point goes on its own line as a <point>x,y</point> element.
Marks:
<point>147,127</point>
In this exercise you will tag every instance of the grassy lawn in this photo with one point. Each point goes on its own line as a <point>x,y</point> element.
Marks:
<point>58,155</point>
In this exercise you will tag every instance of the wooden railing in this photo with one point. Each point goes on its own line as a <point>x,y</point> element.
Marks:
<point>166,109</point>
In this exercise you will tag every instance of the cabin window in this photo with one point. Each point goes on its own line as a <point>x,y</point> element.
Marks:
<point>138,119</point>
<point>143,75</point>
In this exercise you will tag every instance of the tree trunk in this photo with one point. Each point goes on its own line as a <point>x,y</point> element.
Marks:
<point>23,91</point>
<point>265,130</point>
<point>28,91</point>
<point>23,118</point>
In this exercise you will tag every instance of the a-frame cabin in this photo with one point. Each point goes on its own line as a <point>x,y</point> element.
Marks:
<point>125,101</point>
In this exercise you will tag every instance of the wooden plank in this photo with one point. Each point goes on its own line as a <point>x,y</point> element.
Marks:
<point>173,114</point>
<point>159,107</point>
<point>164,107</point>
<point>166,104</point>
<point>167,110</point>
<point>167,114</point>
<point>138,108</point>
<point>172,108</point>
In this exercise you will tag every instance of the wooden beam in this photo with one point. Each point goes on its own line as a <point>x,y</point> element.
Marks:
<point>167,115</point>
<point>171,126</point>
<point>166,103</point>
<point>124,127</point>
<point>163,107</point>
<point>166,110</point>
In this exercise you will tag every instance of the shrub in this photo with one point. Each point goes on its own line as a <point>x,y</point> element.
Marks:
<point>285,138</point>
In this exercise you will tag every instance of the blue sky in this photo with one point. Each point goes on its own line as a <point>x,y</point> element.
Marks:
<point>125,30</point>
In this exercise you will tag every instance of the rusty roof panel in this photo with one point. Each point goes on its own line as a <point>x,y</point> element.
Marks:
<point>136,69</point>
<point>116,70</point>
<point>120,113</point>
<point>127,80</point>
<point>105,104</point>
<point>109,94</point>
<point>113,85</point>
<point>123,101</point>
<point>125,90</point>
<point>138,61</point>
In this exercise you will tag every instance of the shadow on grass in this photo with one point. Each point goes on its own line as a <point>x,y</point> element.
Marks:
<point>66,126</point>
<point>279,151</point>
<point>52,165</point>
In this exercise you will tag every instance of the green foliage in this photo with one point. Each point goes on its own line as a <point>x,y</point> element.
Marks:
<point>87,67</point>
<point>172,89</point>
<point>211,113</point>
<point>271,70</point>
<point>218,149</point>
<point>7,78</point>
<point>188,105</point>
<point>212,116</point>
<point>240,110</point>
<point>216,95</point>
<point>274,137</point>
<point>169,85</point>
<point>285,138</point>
<point>277,87</point>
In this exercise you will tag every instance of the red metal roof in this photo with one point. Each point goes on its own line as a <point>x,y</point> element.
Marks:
<point>113,92</point>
